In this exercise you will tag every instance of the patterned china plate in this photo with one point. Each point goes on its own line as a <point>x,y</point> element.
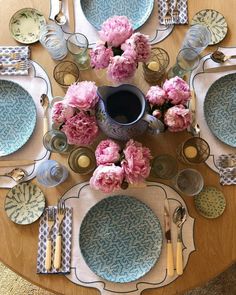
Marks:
<point>25,25</point>
<point>17,117</point>
<point>220,109</point>
<point>210,202</point>
<point>24,203</point>
<point>120,239</point>
<point>214,21</point>
<point>98,11</point>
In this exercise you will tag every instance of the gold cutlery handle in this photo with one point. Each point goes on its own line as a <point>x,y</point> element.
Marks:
<point>57,257</point>
<point>45,125</point>
<point>48,254</point>
<point>179,258</point>
<point>13,163</point>
<point>170,259</point>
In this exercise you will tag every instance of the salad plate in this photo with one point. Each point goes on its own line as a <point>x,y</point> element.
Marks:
<point>120,239</point>
<point>98,11</point>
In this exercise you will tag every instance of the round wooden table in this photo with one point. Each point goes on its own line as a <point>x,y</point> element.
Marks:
<point>215,240</point>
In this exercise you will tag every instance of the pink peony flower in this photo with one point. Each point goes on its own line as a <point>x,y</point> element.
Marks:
<point>136,164</point>
<point>107,178</point>
<point>81,129</point>
<point>100,56</point>
<point>107,152</point>
<point>61,112</point>
<point>121,68</point>
<point>115,30</point>
<point>82,95</point>
<point>156,96</point>
<point>177,90</point>
<point>177,118</point>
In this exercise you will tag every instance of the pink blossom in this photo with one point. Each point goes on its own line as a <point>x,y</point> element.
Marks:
<point>121,68</point>
<point>136,164</point>
<point>82,95</point>
<point>107,178</point>
<point>115,30</point>
<point>177,90</point>
<point>156,96</point>
<point>177,118</point>
<point>81,129</point>
<point>107,152</point>
<point>61,112</point>
<point>100,56</point>
<point>139,43</point>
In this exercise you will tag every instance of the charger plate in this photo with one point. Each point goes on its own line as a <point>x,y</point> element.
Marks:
<point>17,117</point>
<point>120,239</point>
<point>97,11</point>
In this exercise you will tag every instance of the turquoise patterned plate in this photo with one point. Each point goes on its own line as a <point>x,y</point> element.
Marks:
<point>17,117</point>
<point>97,11</point>
<point>220,109</point>
<point>120,239</point>
<point>25,25</point>
<point>24,203</point>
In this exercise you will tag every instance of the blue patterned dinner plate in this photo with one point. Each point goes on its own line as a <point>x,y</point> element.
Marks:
<point>220,109</point>
<point>120,239</point>
<point>17,117</point>
<point>97,11</point>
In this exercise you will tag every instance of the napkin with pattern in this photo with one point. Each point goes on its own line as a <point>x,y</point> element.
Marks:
<point>24,52</point>
<point>227,169</point>
<point>66,231</point>
<point>182,6</point>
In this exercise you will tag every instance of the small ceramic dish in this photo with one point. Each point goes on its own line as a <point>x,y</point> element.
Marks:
<point>25,25</point>
<point>24,203</point>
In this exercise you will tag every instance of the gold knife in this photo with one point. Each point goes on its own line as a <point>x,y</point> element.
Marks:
<point>14,163</point>
<point>167,223</point>
<point>220,69</point>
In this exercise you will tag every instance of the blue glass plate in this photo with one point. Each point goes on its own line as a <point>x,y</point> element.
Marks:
<point>120,239</point>
<point>97,11</point>
<point>220,109</point>
<point>17,117</point>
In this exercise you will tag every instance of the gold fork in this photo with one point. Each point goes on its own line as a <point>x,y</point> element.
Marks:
<point>175,12</point>
<point>50,222</point>
<point>20,65</point>
<point>167,17</point>
<point>12,55</point>
<point>60,216</point>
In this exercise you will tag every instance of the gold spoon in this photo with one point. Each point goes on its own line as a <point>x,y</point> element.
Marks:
<point>44,101</point>
<point>60,18</point>
<point>220,57</point>
<point>16,174</point>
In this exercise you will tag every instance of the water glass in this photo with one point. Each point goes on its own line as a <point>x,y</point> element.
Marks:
<point>66,73</point>
<point>194,150</point>
<point>186,61</point>
<point>197,38</point>
<point>51,173</point>
<point>77,45</point>
<point>164,166</point>
<point>189,182</point>
<point>56,141</point>
<point>52,38</point>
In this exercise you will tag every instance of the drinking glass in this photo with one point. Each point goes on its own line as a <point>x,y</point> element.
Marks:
<point>186,61</point>
<point>188,181</point>
<point>82,160</point>
<point>51,173</point>
<point>164,166</point>
<point>66,73</point>
<point>194,150</point>
<point>77,45</point>
<point>56,141</point>
<point>52,38</point>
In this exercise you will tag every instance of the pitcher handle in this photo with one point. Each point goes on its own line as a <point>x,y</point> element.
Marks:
<point>155,125</point>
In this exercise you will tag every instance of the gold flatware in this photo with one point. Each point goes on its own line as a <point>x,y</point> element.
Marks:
<point>13,163</point>
<point>60,216</point>
<point>194,127</point>
<point>20,65</point>
<point>12,55</point>
<point>60,18</point>
<point>44,101</point>
<point>50,222</point>
<point>175,12</point>
<point>228,163</point>
<point>16,174</point>
<point>220,69</point>
<point>220,57</point>
<point>167,17</point>
<point>167,223</point>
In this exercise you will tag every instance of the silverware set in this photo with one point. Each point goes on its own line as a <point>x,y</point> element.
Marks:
<point>172,14</point>
<point>19,65</point>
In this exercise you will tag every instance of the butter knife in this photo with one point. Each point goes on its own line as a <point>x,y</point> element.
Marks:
<point>220,69</point>
<point>13,163</point>
<point>167,223</point>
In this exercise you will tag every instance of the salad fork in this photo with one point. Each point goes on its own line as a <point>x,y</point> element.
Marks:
<point>20,65</point>
<point>175,12</point>
<point>50,222</point>
<point>167,17</point>
<point>12,55</point>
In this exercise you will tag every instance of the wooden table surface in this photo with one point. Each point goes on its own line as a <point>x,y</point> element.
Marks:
<point>215,240</point>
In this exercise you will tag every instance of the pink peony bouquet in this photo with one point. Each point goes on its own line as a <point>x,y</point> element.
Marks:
<point>75,114</point>
<point>117,168</point>
<point>169,103</point>
<point>121,50</point>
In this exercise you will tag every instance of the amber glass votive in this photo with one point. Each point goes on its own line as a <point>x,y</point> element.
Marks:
<point>66,73</point>
<point>82,160</point>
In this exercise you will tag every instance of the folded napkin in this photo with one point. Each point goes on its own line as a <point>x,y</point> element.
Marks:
<point>227,174</point>
<point>24,52</point>
<point>66,231</point>
<point>182,6</point>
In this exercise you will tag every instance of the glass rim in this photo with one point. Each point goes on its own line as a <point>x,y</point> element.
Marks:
<point>69,40</point>
<point>66,62</point>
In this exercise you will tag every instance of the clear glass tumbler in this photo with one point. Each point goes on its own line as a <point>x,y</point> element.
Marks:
<point>56,141</point>
<point>164,166</point>
<point>52,38</point>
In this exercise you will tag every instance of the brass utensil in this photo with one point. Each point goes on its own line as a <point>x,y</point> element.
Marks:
<point>220,57</point>
<point>179,217</point>
<point>60,18</point>
<point>167,17</point>
<point>17,174</point>
<point>167,223</point>
<point>13,163</point>
<point>50,222</point>
<point>220,69</point>
<point>60,216</point>
<point>175,12</point>
<point>44,101</point>
<point>20,65</point>
<point>228,163</point>
<point>12,55</point>
<point>194,127</point>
